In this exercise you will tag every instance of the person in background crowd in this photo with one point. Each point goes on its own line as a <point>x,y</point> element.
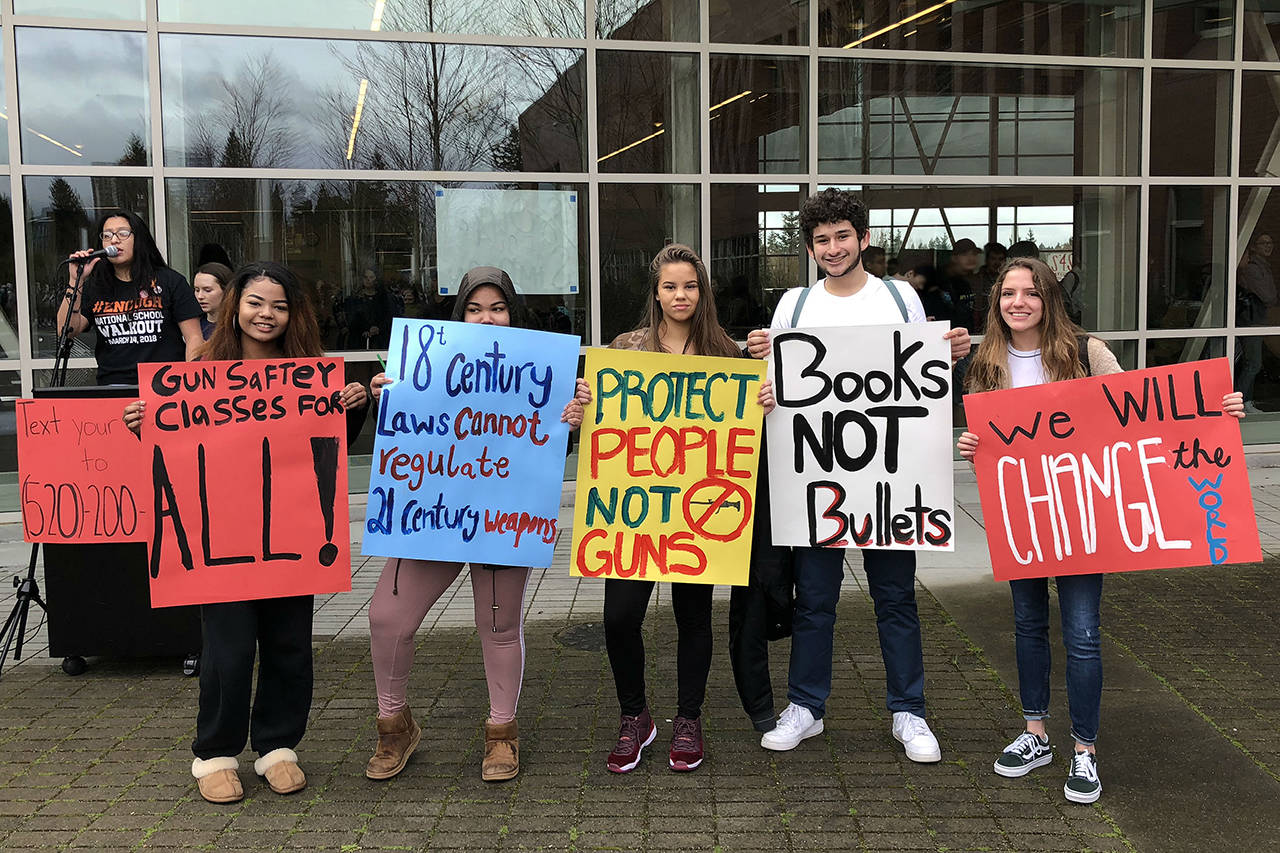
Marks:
<point>1255,296</point>
<point>963,281</point>
<point>994,254</point>
<point>1030,340</point>
<point>875,262</point>
<point>209,283</point>
<point>933,292</point>
<point>368,314</point>
<point>1023,249</point>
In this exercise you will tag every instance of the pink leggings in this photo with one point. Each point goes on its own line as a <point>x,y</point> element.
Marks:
<point>406,591</point>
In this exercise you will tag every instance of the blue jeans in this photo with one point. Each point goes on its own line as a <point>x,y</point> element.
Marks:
<point>891,577</point>
<point>1079,600</point>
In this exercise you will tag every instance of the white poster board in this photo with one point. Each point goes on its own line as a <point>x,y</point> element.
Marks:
<point>532,234</point>
<point>860,443</point>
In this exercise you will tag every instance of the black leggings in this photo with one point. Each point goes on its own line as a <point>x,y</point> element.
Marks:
<point>625,604</point>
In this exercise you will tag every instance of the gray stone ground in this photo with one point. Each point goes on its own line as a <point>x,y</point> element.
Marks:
<point>1189,755</point>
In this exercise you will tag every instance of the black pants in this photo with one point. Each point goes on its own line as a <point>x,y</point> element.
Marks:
<point>625,604</point>
<point>279,630</point>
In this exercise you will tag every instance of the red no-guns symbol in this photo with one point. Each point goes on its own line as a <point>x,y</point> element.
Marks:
<point>723,508</point>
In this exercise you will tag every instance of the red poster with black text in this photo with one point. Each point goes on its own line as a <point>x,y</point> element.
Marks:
<point>1138,470</point>
<point>248,462</point>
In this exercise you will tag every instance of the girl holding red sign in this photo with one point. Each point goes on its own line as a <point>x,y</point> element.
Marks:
<point>1031,340</point>
<point>265,315</point>
<point>407,590</point>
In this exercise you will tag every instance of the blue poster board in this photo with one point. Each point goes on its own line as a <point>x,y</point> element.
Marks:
<point>468,458</point>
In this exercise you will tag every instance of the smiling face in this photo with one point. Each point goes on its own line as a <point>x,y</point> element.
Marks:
<point>1021,305</point>
<point>837,247</point>
<point>125,244</point>
<point>488,305</point>
<point>264,311</point>
<point>678,291</point>
<point>208,292</point>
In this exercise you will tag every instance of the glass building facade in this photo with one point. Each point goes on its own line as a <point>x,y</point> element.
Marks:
<point>380,147</point>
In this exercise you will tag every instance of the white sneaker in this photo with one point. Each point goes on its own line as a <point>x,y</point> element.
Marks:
<point>914,733</point>
<point>794,725</point>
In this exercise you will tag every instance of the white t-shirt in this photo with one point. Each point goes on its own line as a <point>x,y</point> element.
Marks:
<point>873,305</point>
<point>1025,368</point>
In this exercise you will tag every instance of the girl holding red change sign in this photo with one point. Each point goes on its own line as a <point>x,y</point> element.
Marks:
<point>1030,340</point>
<point>407,590</point>
<point>264,315</point>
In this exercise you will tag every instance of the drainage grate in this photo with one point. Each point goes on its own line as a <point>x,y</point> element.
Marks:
<point>586,637</point>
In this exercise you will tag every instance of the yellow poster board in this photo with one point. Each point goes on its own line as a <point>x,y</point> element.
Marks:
<point>667,468</point>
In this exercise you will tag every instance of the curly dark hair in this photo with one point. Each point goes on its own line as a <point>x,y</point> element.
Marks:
<point>829,207</point>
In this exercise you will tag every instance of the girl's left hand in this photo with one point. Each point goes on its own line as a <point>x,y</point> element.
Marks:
<point>134,411</point>
<point>354,396</point>
<point>1233,404</point>
<point>582,392</point>
<point>765,397</point>
<point>960,344</point>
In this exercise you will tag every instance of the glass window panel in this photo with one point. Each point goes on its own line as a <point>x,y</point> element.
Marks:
<point>60,216</point>
<point>1034,27</point>
<point>648,117</point>
<point>1261,29</point>
<point>550,18</point>
<point>759,21</point>
<point>277,102</point>
<point>647,20</point>
<point>1257,369</point>
<point>8,287</point>
<point>929,118</point>
<point>1187,258</point>
<point>1165,351</point>
<point>66,120</point>
<point>1259,125</point>
<point>1193,29</point>
<point>758,105</point>
<point>1181,147</point>
<point>636,221</point>
<point>757,252</point>
<point>4,115</point>
<point>1257,360</point>
<point>111,10</point>
<point>10,389</point>
<point>367,250</point>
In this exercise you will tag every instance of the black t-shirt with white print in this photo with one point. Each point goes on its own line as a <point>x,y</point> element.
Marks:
<point>136,324</point>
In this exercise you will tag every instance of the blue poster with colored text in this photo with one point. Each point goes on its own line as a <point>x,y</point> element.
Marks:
<point>468,458</point>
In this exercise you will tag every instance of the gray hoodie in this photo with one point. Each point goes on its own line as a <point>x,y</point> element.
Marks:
<point>480,276</point>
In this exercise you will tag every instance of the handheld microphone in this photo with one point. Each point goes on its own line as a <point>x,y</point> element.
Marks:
<point>107,252</point>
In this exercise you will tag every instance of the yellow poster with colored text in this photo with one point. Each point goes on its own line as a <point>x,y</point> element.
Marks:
<point>667,468</point>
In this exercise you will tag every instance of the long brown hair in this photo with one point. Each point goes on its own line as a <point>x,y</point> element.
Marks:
<point>705,335</point>
<point>1059,336</point>
<point>301,337</point>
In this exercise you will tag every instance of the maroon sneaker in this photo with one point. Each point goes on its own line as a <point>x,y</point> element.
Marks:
<point>634,735</point>
<point>686,744</point>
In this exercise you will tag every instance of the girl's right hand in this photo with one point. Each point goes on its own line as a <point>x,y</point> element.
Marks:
<point>88,268</point>
<point>967,445</point>
<point>133,416</point>
<point>758,344</point>
<point>376,384</point>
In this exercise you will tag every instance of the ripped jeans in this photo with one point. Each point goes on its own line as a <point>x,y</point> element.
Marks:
<point>1079,600</point>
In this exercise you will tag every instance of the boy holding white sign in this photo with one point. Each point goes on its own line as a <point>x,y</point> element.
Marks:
<point>836,231</point>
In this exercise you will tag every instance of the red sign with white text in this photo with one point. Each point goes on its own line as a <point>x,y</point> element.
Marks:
<point>1138,470</point>
<point>248,461</point>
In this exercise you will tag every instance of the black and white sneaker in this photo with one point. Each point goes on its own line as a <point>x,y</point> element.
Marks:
<point>1082,783</point>
<point>1025,754</point>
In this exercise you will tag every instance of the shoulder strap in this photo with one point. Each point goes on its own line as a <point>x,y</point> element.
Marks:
<point>795,314</point>
<point>897,298</point>
<point>1082,343</point>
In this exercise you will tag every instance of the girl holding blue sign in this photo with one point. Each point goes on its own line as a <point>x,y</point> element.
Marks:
<point>407,590</point>
<point>1030,340</point>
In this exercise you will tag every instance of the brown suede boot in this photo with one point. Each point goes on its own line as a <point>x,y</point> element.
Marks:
<point>501,751</point>
<point>398,737</point>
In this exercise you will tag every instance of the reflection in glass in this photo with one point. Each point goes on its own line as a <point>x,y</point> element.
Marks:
<point>757,251</point>
<point>271,103</point>
<point>1166,351</point>
<point>550,18</point>
<point>1182,147</point>
<point>647,20</point>
<point>60,212</point>
<point>4,117</point>
<point>636,221</point>
<point>1259,125</point>
<point>926,118</point>
<point>10,390</point>
<point>367,250</point>
<point>1187,258</point>
<point>1034,27</point>
<point>648,112</point>
<point>1193,29</point>
<point>8,285</point>
<point>759,22</point>
<point>758,106</point>
<point>66,122</point>
<point>112,10</point>
<point>1261,30</point>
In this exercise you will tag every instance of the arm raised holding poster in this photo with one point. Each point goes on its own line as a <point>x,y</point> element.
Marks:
<point>1089,476</point>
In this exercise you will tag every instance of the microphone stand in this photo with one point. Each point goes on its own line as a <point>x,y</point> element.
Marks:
<point>28,590</point>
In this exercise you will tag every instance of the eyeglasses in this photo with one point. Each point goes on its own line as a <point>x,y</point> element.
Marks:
<point>123,234</point>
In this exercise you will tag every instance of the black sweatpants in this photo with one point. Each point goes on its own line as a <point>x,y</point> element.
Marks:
<point>625,604</point>
<point>279,631</point>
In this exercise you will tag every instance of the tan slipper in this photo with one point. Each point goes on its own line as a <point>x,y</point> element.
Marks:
<point>217,779</point>
<point>280,768</point>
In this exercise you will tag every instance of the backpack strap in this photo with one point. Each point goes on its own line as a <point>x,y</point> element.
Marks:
<point>1082,343</point>
<point>795,315</point>
<point>897,298</point>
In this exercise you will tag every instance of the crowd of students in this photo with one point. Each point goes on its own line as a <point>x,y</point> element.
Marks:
<point>261,311</point>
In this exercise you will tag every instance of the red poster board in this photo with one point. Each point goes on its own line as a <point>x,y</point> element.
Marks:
<point>80,472</point>
<point>1137,470</point>
<point>248,461</point>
